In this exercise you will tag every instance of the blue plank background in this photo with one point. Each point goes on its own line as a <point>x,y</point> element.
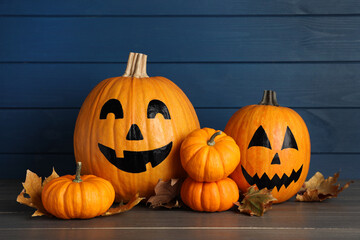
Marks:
<point>223,54</point>
<point>206,84</point>
<point>180,39</point>
<point>186,8</point>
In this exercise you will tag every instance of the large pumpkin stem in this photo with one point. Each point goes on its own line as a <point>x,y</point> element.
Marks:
<point>78,172</point>
<point>136,66</point>
<point>211,142</point>
<point>269,98</point>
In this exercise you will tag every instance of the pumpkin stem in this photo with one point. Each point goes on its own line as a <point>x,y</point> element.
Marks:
<point>78,172</point>
<point>136,66</point>
<point>269,98</point>
<point>211,142</point>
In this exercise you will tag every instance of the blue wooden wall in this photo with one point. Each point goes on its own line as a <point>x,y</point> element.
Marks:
<point>223,54</point>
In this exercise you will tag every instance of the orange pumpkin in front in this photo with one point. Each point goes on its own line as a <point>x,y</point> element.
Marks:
<point>208,155</point>
<point>209,196</point>
<point>84,197</point>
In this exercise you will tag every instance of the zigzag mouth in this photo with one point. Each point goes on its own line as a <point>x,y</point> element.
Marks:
<point>276,181</point>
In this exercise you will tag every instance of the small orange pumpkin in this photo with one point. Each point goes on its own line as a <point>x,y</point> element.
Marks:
<point>72,196</point>
<point>209,196</point>
<point>275,147</point>
<point>208,155</point>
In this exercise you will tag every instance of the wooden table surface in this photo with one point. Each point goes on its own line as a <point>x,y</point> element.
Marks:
<point>333,219</point>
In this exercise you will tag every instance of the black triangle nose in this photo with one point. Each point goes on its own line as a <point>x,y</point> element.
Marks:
<point>276,159</point>
<point>134,133</point>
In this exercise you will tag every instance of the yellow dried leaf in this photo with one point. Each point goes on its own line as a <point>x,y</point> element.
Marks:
<point>51,177</point>
<point>318,188</point>
<point>123,208</point>
<point>38,213</point>
<point>166,194</point>
<point>256,202</point>
<point>31,194</point>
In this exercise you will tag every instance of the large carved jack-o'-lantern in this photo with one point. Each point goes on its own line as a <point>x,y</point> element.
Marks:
<point>275,147</point>
<point>130,128</point>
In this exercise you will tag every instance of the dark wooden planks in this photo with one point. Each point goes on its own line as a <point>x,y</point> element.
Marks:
<point>172,234</point>
<point>169,39</point>
<point>15,165</point>
<point>290,214</point>
<point>206,84</point>
<point>51,130</point>
<point>161,7</point>
<point>332,219</point>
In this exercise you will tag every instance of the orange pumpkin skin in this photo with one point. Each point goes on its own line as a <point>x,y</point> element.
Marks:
<point>207,160</point>
<point>260,160</point>
<point>209,196</point>
<point>66,199</point>
<point>134,92</point>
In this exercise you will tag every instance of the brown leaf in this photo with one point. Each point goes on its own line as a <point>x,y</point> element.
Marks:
<point>317,189</point>
<point>166,194</point>
<point>31,194</point>
<point>38,213</point>
<point>123,208</point>
<point>51,177</point>
<point>256,202</point>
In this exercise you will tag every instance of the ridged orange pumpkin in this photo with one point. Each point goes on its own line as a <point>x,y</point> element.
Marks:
<point>209,196</point>
<point>208,155</point>
<point>72,196</point>
<point>130,128</point>
<point>275,147</point>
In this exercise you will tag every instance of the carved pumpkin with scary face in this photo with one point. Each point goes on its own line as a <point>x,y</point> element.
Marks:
<point>275,146</point>
<point>130,128</point>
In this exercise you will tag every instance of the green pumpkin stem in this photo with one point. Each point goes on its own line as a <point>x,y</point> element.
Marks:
<point>211,142</point>
<point>269,98</point>
<point>78,173</point>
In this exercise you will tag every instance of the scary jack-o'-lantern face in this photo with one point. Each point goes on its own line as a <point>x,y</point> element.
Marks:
<point>130,128</point>
<point>260,139</point>
<point>275,144</point>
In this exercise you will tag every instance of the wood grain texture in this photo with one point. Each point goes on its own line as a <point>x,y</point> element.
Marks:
<point>173,234</point>
<point>15,165</point>
<point>51,130</point>
<point>162,7</point>
<point>190,39</point>
<point>332,219</point>
<point>206,84</point>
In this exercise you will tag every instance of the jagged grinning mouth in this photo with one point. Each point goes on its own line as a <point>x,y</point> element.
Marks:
<point>276,181</point>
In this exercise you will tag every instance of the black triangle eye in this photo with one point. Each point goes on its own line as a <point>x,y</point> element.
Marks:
<point>260,139</point>
<point>289,140</point>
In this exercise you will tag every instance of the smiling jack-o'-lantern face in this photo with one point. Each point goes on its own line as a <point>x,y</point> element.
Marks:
<point>130,128</point>
<point>275,144</point>
<point>135,161</point>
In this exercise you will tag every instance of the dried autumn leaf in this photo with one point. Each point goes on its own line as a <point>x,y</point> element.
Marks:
<point>33,186</point>
<point>51,177</point>
<point>166,194</point>
<point>317,189</point>
<point>31,194</point>
<point>123,208</point>
<point>256,202</point>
